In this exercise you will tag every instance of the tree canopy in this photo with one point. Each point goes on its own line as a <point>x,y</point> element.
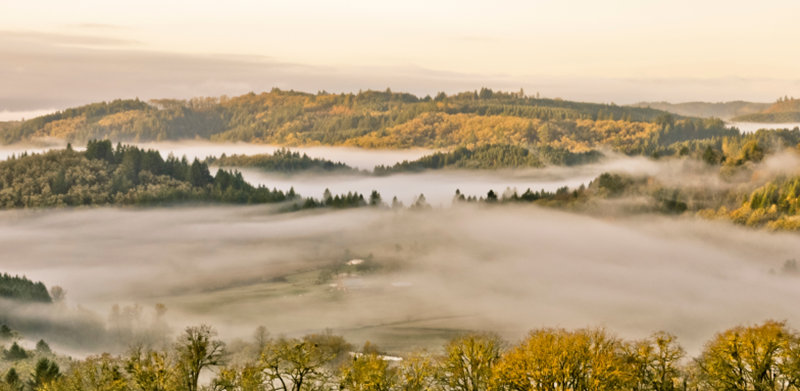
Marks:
<point>751,357</point>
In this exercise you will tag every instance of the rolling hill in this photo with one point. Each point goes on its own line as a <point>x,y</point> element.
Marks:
<point>784,110</point>
<point>372,119</point>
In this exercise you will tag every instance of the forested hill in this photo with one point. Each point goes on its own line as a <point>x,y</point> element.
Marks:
<point>492,157</point>
<point>128,175</point>
<point>372,119</point>
<point>782,111</point>
<point>125,175</point>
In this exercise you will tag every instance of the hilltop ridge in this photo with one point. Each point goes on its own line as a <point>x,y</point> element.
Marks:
<point>784,110</point>
<point>369,119</point>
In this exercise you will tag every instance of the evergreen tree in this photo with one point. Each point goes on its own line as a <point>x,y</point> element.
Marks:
<point>44,373</point>
<point>15,353</point>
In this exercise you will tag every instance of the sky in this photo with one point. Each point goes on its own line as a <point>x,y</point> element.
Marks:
<point>55,54</point>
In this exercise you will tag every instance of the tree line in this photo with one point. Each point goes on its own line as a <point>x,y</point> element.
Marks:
<point>282,160</point>
<point>483,157</point>
<point>763,357</point>
<point>590,198</point>
<point>492,156</point>
<point>128,175</point>
<point>727,149</point>
<point>23,289</point>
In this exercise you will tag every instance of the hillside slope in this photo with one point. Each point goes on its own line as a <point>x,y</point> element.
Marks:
<point>372,119</point>
<point>784,110</point>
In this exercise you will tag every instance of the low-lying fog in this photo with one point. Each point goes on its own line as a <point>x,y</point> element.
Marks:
<point>7,151</point>
<point>437,186</point>
<point>424,274</point>
<point>752,127</point>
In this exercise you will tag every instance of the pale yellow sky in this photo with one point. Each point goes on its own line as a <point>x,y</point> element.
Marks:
<point>580,49</point>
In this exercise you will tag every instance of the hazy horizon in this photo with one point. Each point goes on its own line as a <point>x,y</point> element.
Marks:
<point>21,115</point>
<point>622,52</point>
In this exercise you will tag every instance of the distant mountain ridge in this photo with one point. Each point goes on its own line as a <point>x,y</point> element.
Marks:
<point>722,110</point>
<point>784,110</point>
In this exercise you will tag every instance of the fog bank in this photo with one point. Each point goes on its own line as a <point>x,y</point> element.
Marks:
<point>507,269</point>
<point>438,186</point>
<point>364,159</point>
<point>752,127</point>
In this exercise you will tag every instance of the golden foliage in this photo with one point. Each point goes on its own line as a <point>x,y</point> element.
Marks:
<point>62,128</point>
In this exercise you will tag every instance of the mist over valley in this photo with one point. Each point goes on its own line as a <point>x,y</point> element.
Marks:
<point>431,274</point>
<point>399,196</point>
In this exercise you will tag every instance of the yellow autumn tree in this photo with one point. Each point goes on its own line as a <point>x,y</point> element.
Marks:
<point>763,357</point>
<point>561,360</point>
